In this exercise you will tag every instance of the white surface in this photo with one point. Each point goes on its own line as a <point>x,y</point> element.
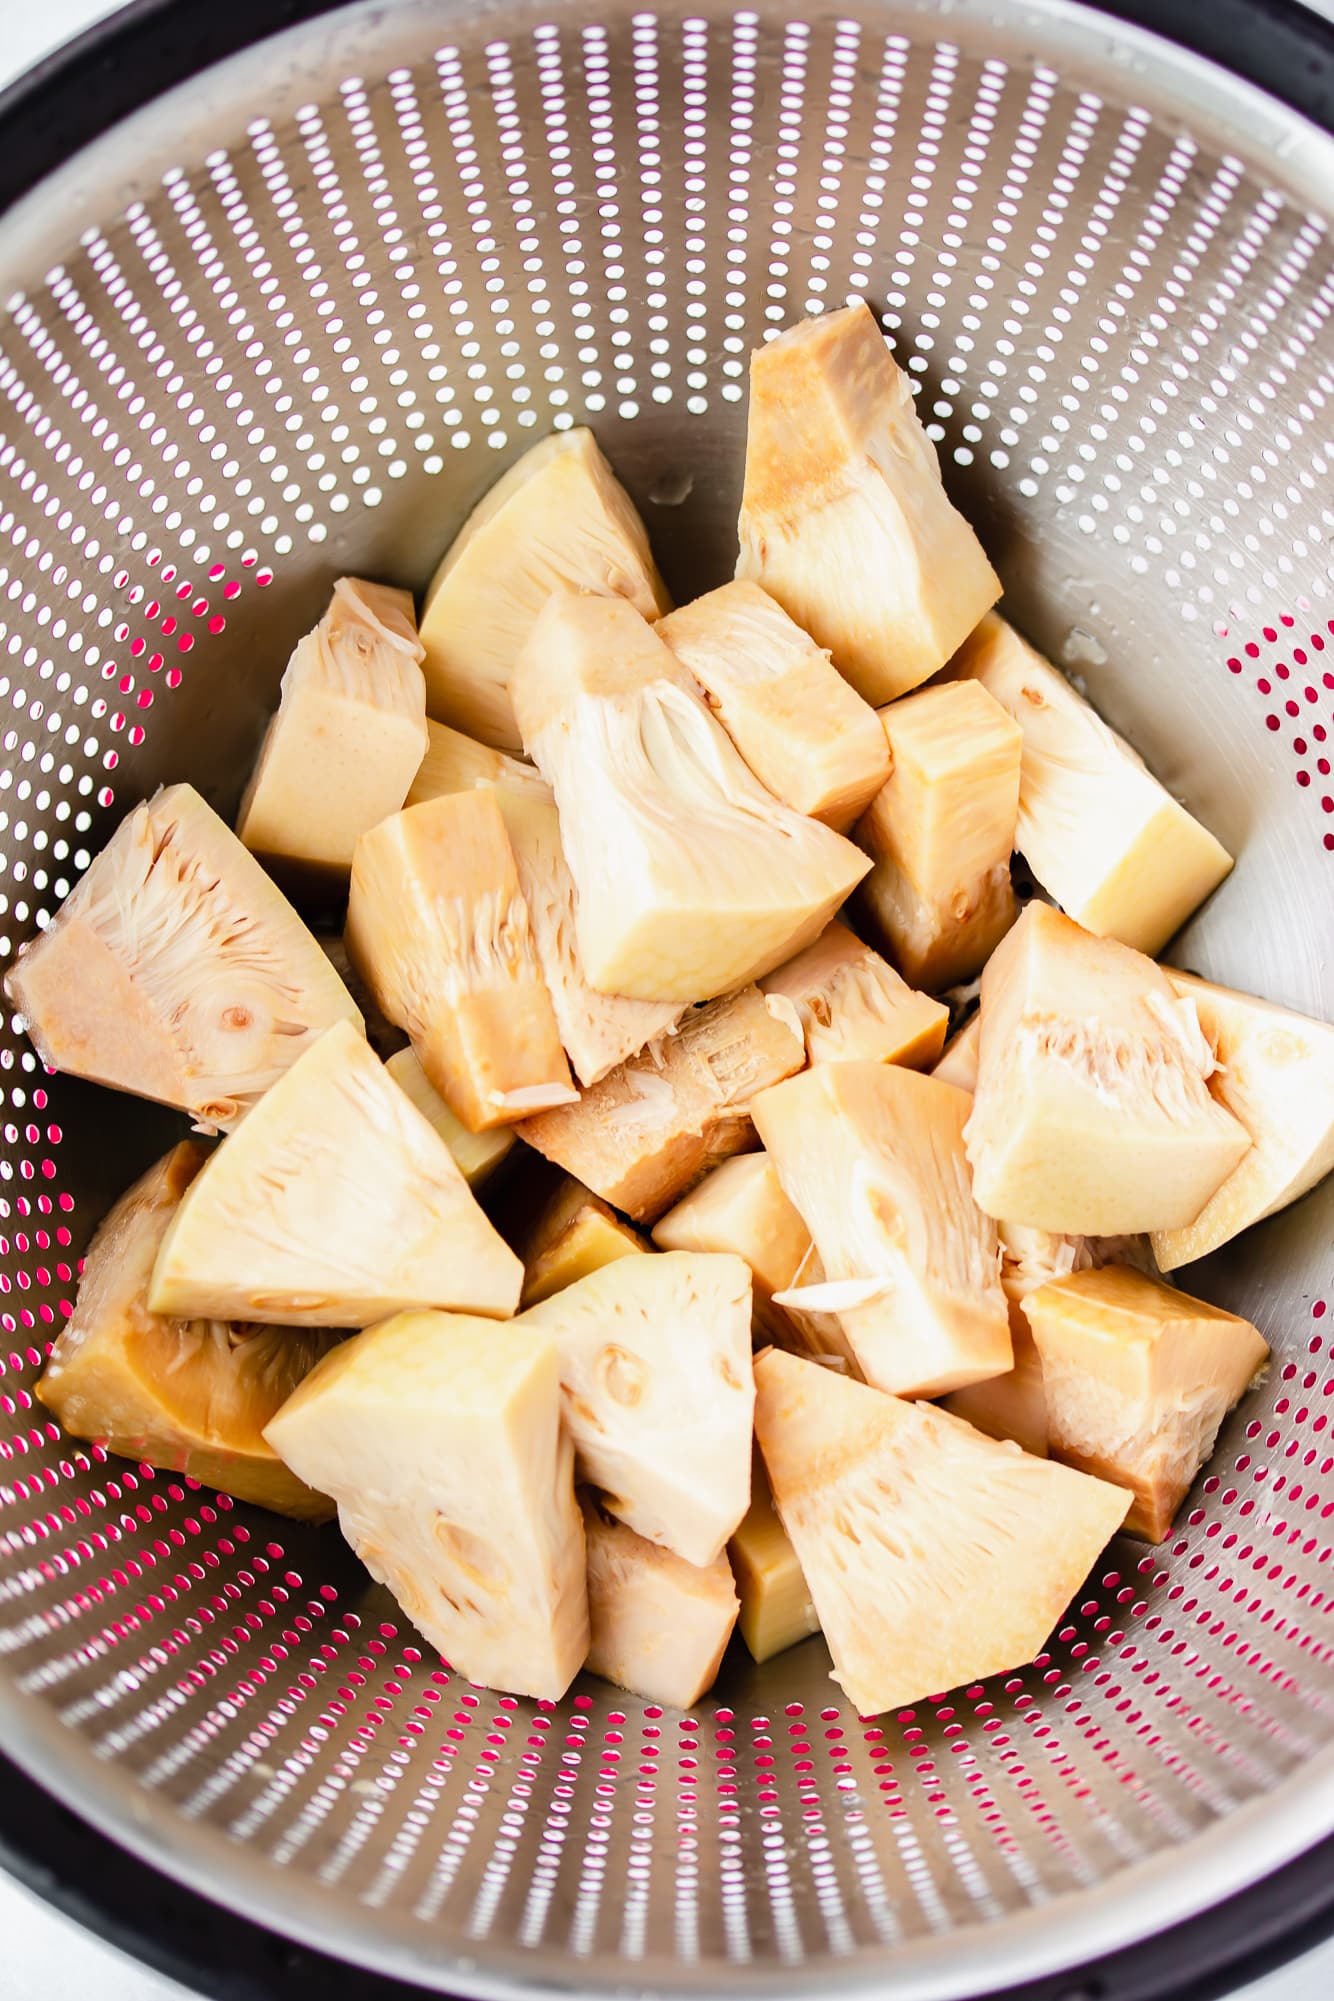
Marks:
<point>45,1957</point>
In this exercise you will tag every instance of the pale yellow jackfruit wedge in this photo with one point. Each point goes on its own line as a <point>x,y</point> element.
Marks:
<point>692,878</point>
<point>843,516</point>
<point>1102,836</point>
<point>477,1155</point>
<point>659,1626</point>
<point>574,1233</point>
<point>334,1204</point>
<point>1092,1114</point>
<point>176,969</point>
<point>659,1395</point>
<point>348,737</point>
<point>958,1062</point>
<point>854,1005</point>
<point>776,1607</point>
<point>941,832</point>
<point>801,728</point>
<point>872,1157</point>
<point>189,1396</point>
<point>439,1436</point>
<point>935,1556</point>
<point>1276,1074</point>
<point>456,763</point>
<point>1013,1405</point>
<point>655,1126</point>
<point>438,929</point>
<point>559,519</point>
<point>1138,1377</point>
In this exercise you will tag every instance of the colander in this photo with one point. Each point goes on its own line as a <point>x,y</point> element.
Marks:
<point>291,318</point>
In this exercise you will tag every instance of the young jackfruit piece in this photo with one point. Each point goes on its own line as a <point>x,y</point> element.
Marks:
<point>1102,836</point>
<point>438,929</point>
<point>457,763</point>
<point>659,1626</point>
<point>692,879</point>
<point>659,1395</point>
<point>1092,1114</point>
<point>439,1436</point>
<point>958,1062</point>
<point>348,737</point>
<point>843,516</point>
<point>1138,1377</point>
<point>559,519</point>
<point>940,833</point>
<point>176,969</point>
<point>189,1396</point>
<point>776,1607</point>
<point>1011,1406</point>
<point>801,728</point>
<point>335,1204</point>
<point>854,1005</point>
<point>1276,1075</point>
<point>477,1155</point>
<point>574,1233</point>
<point>935,1556</point>
<point>655,1126</point>
<point>872,1157</point>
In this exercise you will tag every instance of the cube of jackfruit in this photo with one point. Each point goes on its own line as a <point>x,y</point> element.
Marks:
<point>659,1626</point>
<point>958,1059</point>
<point>456,763</point>
<point>574,1233</point>
<point>477,1155</point>
<point>776,1607</point>
<point>853,1004</point>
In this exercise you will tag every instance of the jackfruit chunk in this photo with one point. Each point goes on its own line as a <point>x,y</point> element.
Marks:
<point>776,1607</point>
<point>659,1395</point>
<point>801,728</point>
<point>574,1233</point>
<point>854,1005</point>
<point>438,929</point>
<point>176,969</point>
<point>692,878</point>
<point>458,763</point>
<point>872,1157</point>
<point>935,1556</point>
<point>348,737</point>
<point>656,1125</point>
<point>335,1204</point>
<point>958,1062</point>
<point>476,1155</point>
<point>559,519</point>
<point>941,831</point>
<point>659,1626</point>
<point>1092,1115</point>
<point>1138,1377</point>
<point>383,1035</point>
<point>1276,1074</point>
<point>1013,1405</point>
<point>189,1396</point>
<point>843,516</point>
<point>1098,831</point>
<point>440,1438</point>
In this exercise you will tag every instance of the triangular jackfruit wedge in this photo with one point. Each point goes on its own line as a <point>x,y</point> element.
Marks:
<point>1137,1378</point>
<point>1276,1075</point>
<point>872,1157</point>
<point>335,1204</point>
<point>843,516</point>
<point>1092,1115</point>
<point>958,1060</point>
<point>801,728</point>
<point>559,519</point>
<point>573,1233</point>
<point>456,763</point>
<point>776,1607</point>
<point>1101,835</point>
<point>935,1556</point>
<point>659,1626</point>
<point>692,878</point>
<point>477,1155</point>
<point>176,969</point>
<point>439,1436</point>
<point>659,1396</point>
<point>854,1005</point>
<point>189,1396</point>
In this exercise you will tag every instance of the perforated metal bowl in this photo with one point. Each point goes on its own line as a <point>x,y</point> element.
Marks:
<point>293,319</point>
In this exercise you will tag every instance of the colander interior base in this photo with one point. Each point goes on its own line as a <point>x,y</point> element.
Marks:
<point>292,321</point>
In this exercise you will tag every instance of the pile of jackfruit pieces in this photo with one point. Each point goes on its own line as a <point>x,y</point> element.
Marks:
<point>593,851</point>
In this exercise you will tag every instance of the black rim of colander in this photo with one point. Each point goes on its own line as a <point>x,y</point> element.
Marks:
<point>61,105</point>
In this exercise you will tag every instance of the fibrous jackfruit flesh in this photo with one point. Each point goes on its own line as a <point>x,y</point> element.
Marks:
<point>456,763</point>
<point>776,1607</point>
<point>935,1556</point>
<point>573,1233</point>
<point>189,1396</point>
<point>477,1155</point>
<point>559,519</point>
<point>176,969</point>
<point>335,1204</point>
<point>439,1437</point>
<point>801,728</point>
<point>659,1626</point>
<point>843,516</point>
<point>854,1005</point>
<point>692,878</point>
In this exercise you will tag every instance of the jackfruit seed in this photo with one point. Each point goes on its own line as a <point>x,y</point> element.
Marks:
<point>476,1155</point>
<point>854,1005</point>
<point>659,1626</point>
<point>776,1607</point>
<point>574,1233</point>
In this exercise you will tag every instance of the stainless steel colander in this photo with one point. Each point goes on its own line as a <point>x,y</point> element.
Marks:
<point>292,319</point>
